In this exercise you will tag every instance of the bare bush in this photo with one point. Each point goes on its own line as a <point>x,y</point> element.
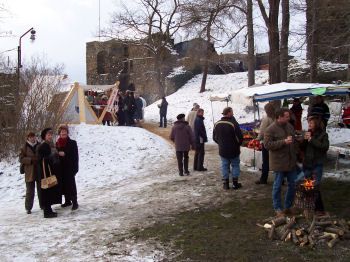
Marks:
<point>34,108</point>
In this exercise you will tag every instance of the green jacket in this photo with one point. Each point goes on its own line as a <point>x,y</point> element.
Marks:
<point>282,157</point>
<point>315,151</point>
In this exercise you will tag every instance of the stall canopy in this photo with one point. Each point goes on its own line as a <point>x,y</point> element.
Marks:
<point>250,95</point>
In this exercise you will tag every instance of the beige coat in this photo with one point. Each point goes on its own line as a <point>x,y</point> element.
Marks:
<point>265,123</point>
<point>282,156</point>
<point>25,157</point>
<point>191,117</point>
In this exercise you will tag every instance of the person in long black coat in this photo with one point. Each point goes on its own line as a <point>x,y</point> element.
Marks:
<point>48,156</point>
<point>69,166</point>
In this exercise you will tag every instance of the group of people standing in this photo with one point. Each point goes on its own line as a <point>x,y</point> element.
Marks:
<point>190,134</point>
<point>284,144</point>
<point>129,108</point>
<point>45,159</point>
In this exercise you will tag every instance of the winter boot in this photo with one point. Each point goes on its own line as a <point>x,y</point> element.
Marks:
<point>66,203</point>
<point>75,204</point>
<point>235,184</point>
<point>226,184</point>
<point>48,213</point>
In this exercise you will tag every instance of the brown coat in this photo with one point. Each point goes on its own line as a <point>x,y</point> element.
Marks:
<point>25,157</point>
<point>282,156</point>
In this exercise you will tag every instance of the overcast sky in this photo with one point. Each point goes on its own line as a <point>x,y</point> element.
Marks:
<point>62,27</point>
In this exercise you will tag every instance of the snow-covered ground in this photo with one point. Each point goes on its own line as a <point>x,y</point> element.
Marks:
<point>109,158</point>
<point>116,165</point>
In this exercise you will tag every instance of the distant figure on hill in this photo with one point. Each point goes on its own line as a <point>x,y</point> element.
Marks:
<point>182,136</point>
<point>138,111</point>
<point>192,115</point>
<point>163,108</point>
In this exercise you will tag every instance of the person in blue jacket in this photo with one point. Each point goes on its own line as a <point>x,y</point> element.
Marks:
<point>200,136</point>
<point>163,108</point>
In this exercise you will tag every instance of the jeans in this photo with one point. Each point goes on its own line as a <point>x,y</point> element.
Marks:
<point>225,167</point>
<point>199,157</point>
<point>276,190</point>
<point>162,118</point>
<point>317,171</point>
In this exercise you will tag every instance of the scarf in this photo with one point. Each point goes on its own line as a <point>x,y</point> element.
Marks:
<point>62,142</point>
<point>32,144</point>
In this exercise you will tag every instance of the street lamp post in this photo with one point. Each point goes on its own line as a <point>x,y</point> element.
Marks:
<point>19,62</point>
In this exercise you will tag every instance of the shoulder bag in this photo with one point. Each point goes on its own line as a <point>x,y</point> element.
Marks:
<point>50,181</point>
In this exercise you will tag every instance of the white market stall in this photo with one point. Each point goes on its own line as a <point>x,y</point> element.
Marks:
<point>251,96</point>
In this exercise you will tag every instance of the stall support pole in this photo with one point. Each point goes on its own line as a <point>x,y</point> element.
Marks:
<point>212,112</point>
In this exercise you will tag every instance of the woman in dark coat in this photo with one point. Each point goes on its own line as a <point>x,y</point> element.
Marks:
<point>315,146</point>
<point>69,166</point>
<point>48,157</point>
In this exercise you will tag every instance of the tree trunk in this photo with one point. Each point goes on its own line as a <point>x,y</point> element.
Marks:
<point>284,40</point>
<point>206,62</point>
<point>273,33</point>
<point>314,43</point>
<point>308,29</point>
<point>251,56</point>
<point>348,72</point>
<point>158,70</point>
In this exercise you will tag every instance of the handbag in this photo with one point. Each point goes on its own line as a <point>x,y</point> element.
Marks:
<point>50,181</point>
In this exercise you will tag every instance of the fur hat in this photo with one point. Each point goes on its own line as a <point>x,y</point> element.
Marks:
<point>180,116</point>
<point>44,132</point>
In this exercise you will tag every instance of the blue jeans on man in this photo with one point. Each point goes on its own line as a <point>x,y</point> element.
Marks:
<point>276,190</point>
<point>225,167</point>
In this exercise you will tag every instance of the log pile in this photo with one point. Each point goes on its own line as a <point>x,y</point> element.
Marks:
<point>325,229</point>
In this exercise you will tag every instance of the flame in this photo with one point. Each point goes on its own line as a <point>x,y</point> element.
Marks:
<point>309,183</point>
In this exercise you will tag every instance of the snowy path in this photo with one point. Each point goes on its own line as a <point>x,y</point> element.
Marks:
<point>145,188</point>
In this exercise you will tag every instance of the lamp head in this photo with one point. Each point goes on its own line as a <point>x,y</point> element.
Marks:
<point>32,36</point>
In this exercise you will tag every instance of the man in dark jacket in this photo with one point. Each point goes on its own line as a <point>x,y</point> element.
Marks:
<point>182,135</point>
<point>279,139</point>
<point>200,137</point>
<point>163,107</point>
<point>228,136</point>
<point>321,109</point>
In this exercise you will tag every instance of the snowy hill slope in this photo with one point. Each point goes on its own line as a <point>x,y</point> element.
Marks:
<point>182,101</point>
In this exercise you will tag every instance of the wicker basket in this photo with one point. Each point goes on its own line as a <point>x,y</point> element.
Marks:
<point>305,199</point>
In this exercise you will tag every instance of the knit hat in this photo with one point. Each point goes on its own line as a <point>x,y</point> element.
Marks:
<point>44,132</point>
<point>180,116</point>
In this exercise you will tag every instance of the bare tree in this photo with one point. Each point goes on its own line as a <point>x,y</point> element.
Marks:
<point>284,40</point>
<point>212,20</point>
<point>271,22</point>
<point>250,32</point>
<point>150,24</point>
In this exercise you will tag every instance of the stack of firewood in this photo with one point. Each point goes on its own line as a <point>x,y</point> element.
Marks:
<point>303,232</point>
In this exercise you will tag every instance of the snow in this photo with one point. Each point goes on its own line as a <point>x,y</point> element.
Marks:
<point>108,156</point>
<point>217,85</point>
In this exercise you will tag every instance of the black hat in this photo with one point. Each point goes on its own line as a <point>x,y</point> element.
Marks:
<point>44,132</point>
<point>180,116</point>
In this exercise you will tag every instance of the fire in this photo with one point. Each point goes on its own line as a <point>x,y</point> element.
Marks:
<point>309,183</point>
